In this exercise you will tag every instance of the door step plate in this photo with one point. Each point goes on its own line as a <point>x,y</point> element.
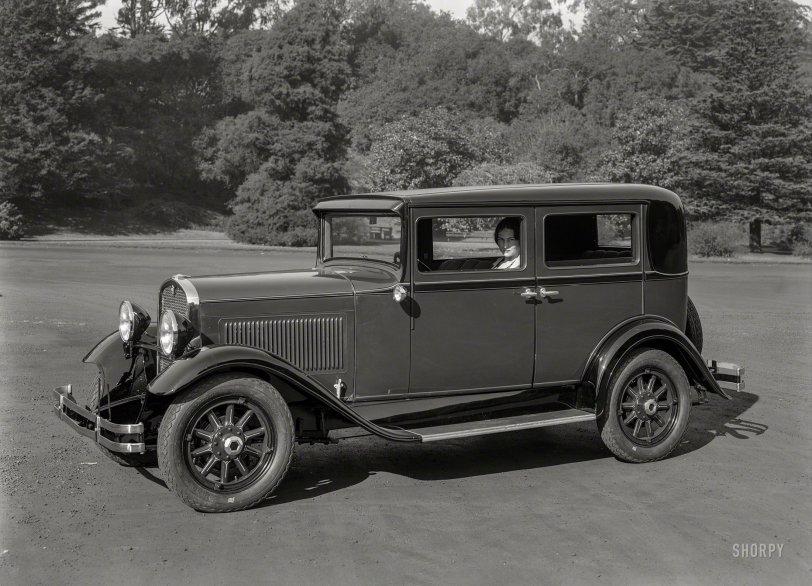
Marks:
<point>515,423</point>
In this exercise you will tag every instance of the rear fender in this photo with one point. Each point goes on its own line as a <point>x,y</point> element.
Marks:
<point>209,360</point>
<point>646,332</point>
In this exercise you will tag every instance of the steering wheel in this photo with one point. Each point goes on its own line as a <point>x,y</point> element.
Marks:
<point>423,266</point>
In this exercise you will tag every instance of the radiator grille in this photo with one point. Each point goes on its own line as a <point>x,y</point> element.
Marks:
<point>313,344</point>
<point>172,297</point>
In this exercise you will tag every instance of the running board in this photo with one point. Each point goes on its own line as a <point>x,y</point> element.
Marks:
<point>515,423</point>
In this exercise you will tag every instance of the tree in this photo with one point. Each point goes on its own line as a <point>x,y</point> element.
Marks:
<point>649,145</point>
<point>186,18</point>
<point>504,174</point>
<point>45,149</point>
<point>407,59</point>
<point>753,135</point>
<point>430,150</point>
<point>286,150</point>
<point>155,95</point>
<point>535,20</point>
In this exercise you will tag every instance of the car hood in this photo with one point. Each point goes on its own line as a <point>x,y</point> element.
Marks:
<point>270,285</point>
<point>319,282</point>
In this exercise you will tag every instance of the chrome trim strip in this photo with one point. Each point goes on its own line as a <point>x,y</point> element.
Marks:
<point>119,428</point>
<point>66,402</point>
<point>510,424</point>
<point>132,448</point>
<point>192,298</point>
<point>308,296</point>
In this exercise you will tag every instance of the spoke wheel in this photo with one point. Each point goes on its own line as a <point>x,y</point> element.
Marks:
<point>646,405</point>
<point>229,443</point>
<point>226,444</point>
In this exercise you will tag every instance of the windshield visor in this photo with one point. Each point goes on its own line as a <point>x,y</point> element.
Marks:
<point>362,237</point>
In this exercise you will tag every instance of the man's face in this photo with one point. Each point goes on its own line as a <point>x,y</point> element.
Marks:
<point>508,243</point>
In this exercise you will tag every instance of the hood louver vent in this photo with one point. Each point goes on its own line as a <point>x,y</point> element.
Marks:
<point>313,344</point>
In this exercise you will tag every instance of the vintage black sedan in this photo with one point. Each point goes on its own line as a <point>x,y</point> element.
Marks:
<point>429,315</point>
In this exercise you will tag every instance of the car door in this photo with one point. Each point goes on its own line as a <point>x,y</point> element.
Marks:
<point>589,264</point>
<point>471,329</point>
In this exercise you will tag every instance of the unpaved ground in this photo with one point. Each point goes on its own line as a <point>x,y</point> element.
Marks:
<point>544,506</point>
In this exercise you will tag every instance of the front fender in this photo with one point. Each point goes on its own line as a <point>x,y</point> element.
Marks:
<point>123,371</point>
<point>646,331</point>
<point>209,360</point>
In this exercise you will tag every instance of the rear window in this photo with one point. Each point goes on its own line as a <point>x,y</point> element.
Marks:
<point>589,239</point>
<point>668,249</point>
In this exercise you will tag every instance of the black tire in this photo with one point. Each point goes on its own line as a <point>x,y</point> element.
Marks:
<point>259,443</point>
<point>693,326</point>
<point>647,428</point>
<point>130,460</point>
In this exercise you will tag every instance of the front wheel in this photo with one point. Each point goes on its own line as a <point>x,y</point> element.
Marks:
<point>226,444</point>
<point>647,407</point>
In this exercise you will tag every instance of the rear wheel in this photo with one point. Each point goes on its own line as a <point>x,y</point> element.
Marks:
<point>648,405</point>
<point>226,444</point>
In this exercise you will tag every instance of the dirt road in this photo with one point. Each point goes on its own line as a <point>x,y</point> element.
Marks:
<point>544,506</point>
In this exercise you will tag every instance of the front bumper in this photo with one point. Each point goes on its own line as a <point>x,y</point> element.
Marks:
<point>99,429</point>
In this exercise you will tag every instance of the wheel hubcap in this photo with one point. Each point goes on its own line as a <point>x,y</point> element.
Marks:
<point>648,407</point>
<point>229,444</point>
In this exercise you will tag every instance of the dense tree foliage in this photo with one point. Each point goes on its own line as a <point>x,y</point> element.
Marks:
<point>430,150</point>
<point>286,151</point>
<point>154,96</point>
<point>44,96</point>
<point>269,104</point>
<point>650,144</point>
<point>754,127</point>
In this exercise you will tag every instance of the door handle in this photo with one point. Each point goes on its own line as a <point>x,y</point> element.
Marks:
<point>528,294</point>
<point>544,293</point>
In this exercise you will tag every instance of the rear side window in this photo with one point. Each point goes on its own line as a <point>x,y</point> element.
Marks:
<point>589,239</point>
<point>668,249</point>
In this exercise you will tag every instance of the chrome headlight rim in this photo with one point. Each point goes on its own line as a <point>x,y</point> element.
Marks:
<point>132,321</point>
<point>168,333</point>
<point>126,321</point>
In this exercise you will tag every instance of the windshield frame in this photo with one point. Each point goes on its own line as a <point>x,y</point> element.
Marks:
<point>325,228</point>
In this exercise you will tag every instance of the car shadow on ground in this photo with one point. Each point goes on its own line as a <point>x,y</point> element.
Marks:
<point>321,469</point>
<point>720,418</point>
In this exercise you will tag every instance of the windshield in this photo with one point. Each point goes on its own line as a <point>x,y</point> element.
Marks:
<point>367,237</point>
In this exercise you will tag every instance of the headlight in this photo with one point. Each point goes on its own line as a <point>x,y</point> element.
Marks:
<point>168,332</point>
<point>126,320</point>
<point>132,321</point>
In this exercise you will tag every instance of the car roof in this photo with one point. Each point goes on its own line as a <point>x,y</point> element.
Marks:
<point>553,193</point>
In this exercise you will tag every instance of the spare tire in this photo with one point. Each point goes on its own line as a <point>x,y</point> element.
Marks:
<point>693,326</point>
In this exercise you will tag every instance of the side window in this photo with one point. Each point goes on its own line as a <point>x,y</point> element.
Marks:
<point>470,243</point>
<point>589,239</point>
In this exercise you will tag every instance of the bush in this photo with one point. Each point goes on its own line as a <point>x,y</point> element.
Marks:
<point>168,214</point>
<point>802,248</point>
<point>11,222</point>
<point>715,238</point>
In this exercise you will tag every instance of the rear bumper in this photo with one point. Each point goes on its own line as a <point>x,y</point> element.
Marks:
<point>729,376</point>
<point>99,429</point>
